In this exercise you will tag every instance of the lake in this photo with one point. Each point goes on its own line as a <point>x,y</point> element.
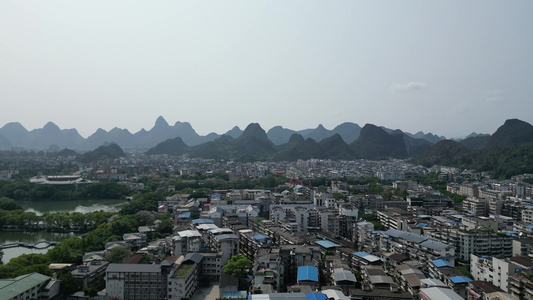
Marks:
<point>8,237</point>
<point>40,207</point>
<point>82,206</point>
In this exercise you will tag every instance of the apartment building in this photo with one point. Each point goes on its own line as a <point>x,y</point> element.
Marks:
<point>453,278</point>
<point>29,286</point>
<point>394,218</point>
<point>187,241</point>
<point>175,278</point>
<point>476,206</point>
<point>521,287</point>
<point>416,247</point>
<point>184,279</point>
<point>250,242</point>
<point>138,281</point>
<point>494,270</point>
<point>228,245</point>
<point>268,270</point>
<point>430,200</point>
<point>479,242</point>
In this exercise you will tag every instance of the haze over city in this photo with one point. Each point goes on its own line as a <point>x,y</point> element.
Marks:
<point>446,67</point>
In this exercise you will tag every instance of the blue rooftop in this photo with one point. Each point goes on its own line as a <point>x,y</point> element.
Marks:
<point>460,279</point>
<point>202,221</point>
<point>327,244</point>
<point>260,237</point>
<point>235,295</point>
<point>307,273</point>
<point>315,296</point>
<point>439,263</point>
<point>361,254</point>
<point>185,215</point>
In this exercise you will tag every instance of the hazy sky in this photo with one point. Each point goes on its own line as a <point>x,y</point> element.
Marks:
<point>448,67</point>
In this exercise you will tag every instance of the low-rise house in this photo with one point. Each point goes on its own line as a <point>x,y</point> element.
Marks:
<point>91,274</point>
<point>187,241</point>
<point>308,275</point>
<point>135,240</point>
<point>29,286</point>
<point>439,293</point>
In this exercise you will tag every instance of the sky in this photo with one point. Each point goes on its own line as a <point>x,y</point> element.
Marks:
<point>446,67</point>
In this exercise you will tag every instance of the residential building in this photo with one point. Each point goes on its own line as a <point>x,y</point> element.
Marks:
<point>187,241</point>
<point>308,275</point>
<point>439,293</point>
<point>184,280</point>
<point>91,274</point>
<point>137,281</point>
<point>29,286</point>
<point>478,242</point>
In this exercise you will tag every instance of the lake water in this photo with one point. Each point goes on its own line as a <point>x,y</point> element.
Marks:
<point>82,206</point>
<point>8,237</point>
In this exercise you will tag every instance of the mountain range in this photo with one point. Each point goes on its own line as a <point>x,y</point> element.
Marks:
<point>512,141</point>
<point>14,135</point>
<point>507,152</point>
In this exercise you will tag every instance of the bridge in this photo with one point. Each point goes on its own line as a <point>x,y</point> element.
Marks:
<point>36,245</point>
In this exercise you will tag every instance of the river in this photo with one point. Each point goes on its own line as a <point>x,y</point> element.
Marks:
<point>83,206</point>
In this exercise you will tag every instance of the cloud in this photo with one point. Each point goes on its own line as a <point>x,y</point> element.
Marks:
<point>495,96</point>
<point>495,99</point>
<point>460,107</point>
<point>407,87</point>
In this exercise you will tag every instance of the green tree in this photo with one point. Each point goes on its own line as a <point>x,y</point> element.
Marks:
<point>69,284</point>
<point>238,266</point>
<point>339,196</point>
<point>91,292</point>
<point>165,227</point>
<point>145,218</point>
<point>117,254</point>
<point>8,204</point>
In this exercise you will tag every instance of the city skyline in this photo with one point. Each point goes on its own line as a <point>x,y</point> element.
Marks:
<point>449,68</point>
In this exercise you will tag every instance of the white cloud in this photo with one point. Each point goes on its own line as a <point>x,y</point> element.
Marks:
<point>495,99</point>
<point>460,107</point>
<point>495,96</point>
<point>407,87</point>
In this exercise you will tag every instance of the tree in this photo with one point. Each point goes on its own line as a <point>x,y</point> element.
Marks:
<point>238,266</point>
<point>91,292</point>
<point>145,218</point>
<point>8,204</point>
<point>165,227</point>
<point>117,254</point>
<point>69,284</point>
<point>339,196</point>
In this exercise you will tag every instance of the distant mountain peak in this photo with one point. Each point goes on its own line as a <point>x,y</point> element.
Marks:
<point>14,125</point>
<point>161,122</point>
<point>180,124</point>
<point>100,130</point>
<point>51,125</point>
<point>254,129</point>
<point>513,132</point>
<point>235,132</point>
<point>296,138</point>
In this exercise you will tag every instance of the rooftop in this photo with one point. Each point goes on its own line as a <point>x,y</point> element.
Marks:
<point>182,270</point>
<point>327,244</point>
<point>441,263</point>
<point>439,293</point>
<point>307,273</point>
<point>10,288</point>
